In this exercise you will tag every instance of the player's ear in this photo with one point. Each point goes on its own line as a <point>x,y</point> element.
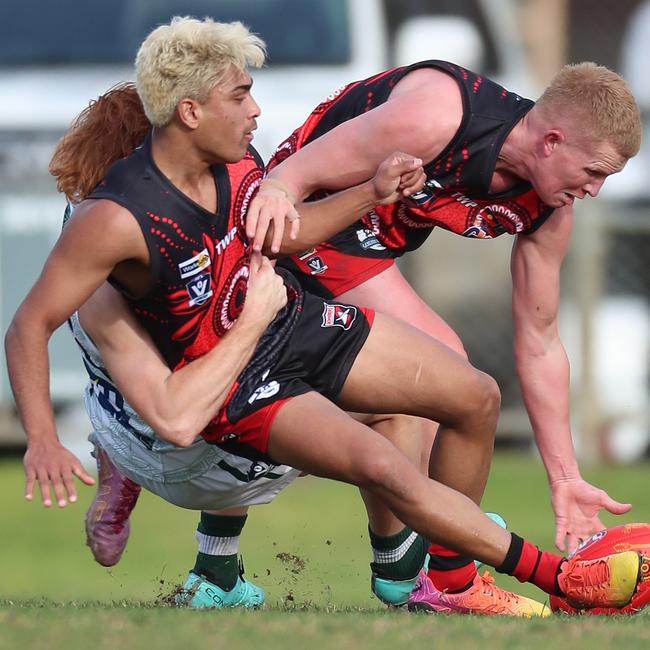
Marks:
<point>552,139</point>
<point>189,112</point>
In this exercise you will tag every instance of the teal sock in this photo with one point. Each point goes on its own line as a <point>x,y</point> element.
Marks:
<point>399,556</point>
<point>218,538</point>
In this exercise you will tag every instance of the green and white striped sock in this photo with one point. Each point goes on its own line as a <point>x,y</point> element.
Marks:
<point>218,539</point>
<point>399,556</point>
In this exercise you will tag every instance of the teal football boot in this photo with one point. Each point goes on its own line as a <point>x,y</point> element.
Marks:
<point>396,592</point>
<point>200,593</point>
<point>393,593</point>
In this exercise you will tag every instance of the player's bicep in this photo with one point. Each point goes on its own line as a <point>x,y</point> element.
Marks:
<point>534,292</point>
<point>391,127</point>
<point>93,242</point>
<point>535,267</point>
<point>62,287</point>
<point>129,354</point>
<point>351,152</point>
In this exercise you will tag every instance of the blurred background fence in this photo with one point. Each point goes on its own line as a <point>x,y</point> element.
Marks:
<point>45,82</point>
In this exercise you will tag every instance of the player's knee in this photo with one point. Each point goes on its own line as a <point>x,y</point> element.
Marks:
<point>377,470</point>
<point>491,396</point>
<point>485,399</point>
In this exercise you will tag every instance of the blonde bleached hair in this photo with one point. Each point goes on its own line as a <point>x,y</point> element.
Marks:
<point>188,58</point>
<point>598,103</point>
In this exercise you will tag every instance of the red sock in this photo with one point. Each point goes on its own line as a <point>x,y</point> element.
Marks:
<point>449,570</point>
<point>527,563</point>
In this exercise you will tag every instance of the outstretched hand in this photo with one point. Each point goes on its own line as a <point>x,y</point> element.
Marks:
<point>52,464</point>
<point>397,177</point>
<point>577,504</point>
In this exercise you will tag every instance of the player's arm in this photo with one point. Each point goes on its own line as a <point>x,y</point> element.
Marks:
<point>421,116</point>
<point>96,238</point>
<point>543,371</point>
<point>399,175</point>
<point>178,405</point>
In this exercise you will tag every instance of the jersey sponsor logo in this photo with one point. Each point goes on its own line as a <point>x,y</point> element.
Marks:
<point>308,253</point>
<point>368,240</point>
<point>258,469</point>
<point>199,289</point>
<point>317,265</point>
<point>222,244</point>
<point>265,391</point>
<point>430,191</point>
<point>338,315</point>
<point>483,226</point>
<point>195,264</point>
<point>489,221</point>
<point>464,200</point>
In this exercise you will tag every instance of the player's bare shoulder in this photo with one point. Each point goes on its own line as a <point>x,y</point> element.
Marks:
<point>101,211</point>
<point>433,101</point>
<point>104,224</point>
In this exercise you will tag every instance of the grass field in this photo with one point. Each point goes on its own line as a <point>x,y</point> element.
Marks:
<point>309,550</point>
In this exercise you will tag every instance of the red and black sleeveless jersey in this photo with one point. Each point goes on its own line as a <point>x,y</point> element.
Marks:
<point>457,192</point>
<point>199,259</point>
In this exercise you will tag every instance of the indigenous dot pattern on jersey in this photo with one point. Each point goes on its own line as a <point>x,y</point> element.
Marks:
<point>456,196</point>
